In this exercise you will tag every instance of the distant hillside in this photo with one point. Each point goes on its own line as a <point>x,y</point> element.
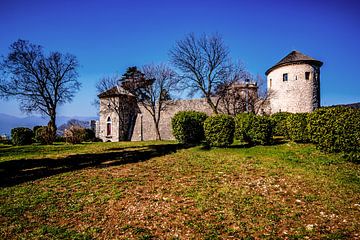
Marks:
<point>353,105</point>
<point>7,122</point>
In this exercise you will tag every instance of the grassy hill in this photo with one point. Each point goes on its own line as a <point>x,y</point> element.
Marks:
<point>161,190</point>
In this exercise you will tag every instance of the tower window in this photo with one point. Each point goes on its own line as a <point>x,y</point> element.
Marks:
<point>108,126</point>
<point>307,75</point>
<point>285,77</point>
<point>270,82</point>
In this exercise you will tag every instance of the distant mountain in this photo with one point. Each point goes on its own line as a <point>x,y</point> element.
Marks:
<point>352,105</point>
<point>7,122</point>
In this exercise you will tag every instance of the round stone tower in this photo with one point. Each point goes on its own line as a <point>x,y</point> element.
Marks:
<point>294,84</point>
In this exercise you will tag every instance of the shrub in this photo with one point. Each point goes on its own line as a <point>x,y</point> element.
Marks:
<point>89,135</point>
<point>296,125</point>
<point>36,128</point>
<point>279,123</point>
<point>75,134</point>
<point>253,129</point>
<point>21,136</point>
<point>187,126</point>
<point>60,139</point>
<point>260,131</point>
<point>242,126</point>
<point>44,135</point>
<point>97,140</point>
<point>336,129</point>
<point>219,130</point>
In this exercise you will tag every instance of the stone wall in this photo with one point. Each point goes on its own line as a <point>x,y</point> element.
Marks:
<point>104,115</point>
<point>297,94</point>
<point>144,120</point>
<point>121,110</point>
<point>144,128</point>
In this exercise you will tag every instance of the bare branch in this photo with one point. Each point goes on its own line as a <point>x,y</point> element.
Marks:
<point>203,63</point>
<point>38,82</point>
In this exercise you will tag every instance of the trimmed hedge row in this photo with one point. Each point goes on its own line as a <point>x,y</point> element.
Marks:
<point>261,131</point>
<point>192,127</point>
<point>279,123</point>
<point>296,126</point>
<point>331,129</point>
<point>253,129</point>
<point>336,129</point>
<point>187,126</point>
<point>242,126</point>
<point>219,130</point>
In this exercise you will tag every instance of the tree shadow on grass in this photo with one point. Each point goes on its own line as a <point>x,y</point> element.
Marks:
<point>14,172</point>
<point>240,145</point>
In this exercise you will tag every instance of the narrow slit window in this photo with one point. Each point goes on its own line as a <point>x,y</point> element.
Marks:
<point>307,75</point>
<point>270,83</point>
<point>285,77</point>
<point>108,126</point>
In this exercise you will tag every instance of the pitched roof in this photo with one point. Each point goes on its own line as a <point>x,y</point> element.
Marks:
<point>113,92</point>
<point>295,57</point>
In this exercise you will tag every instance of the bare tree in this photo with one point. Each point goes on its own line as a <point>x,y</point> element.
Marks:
<point>205,64</point>
<point>40,83</point>
<point>233,93</point>
<point>152,89</point>
<point>260,101</point>
<point>119,101</point>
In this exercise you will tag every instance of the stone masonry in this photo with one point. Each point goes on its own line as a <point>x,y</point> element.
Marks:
<point>144,120</point>
<point>297,94</point>
<point>295,84</point>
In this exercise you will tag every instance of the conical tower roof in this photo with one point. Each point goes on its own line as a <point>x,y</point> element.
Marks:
<point>295,57</point>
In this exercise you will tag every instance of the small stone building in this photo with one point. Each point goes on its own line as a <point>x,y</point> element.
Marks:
<point>118,113</point>
<point>294,83</point>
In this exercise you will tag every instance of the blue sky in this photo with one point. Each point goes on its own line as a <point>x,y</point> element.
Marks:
<point>109,36</point>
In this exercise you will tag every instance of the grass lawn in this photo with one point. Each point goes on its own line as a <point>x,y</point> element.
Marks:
<point>152,190</point>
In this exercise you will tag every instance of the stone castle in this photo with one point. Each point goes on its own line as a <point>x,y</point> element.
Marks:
<point>294,84</point>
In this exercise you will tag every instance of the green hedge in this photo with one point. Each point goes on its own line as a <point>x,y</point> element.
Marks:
<point>219,130</point>
<point>296,125</point>
<point>187,126</point>
<point>44,135</point>
<point>21,136</point>
<point>336,129</point>
<point>242,126</point>
<point>89,135</point>
<point>279,123</point>
<point>260,131</point>
<point>253,129</point>
<point>316,123</point>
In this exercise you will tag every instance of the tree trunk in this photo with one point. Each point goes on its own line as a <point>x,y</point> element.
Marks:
<point>158,136</point>
<point>52,126</point>
<point>157,130</point>
<point>211,104</point>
